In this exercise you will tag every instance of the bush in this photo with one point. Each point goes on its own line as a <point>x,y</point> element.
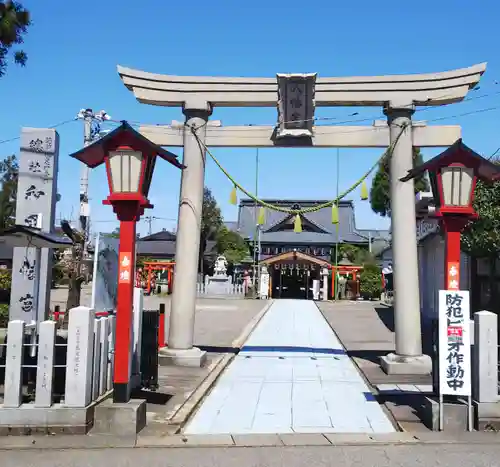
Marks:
<point>4,315</point>
<point>5,279</point>
<point>370,282</point>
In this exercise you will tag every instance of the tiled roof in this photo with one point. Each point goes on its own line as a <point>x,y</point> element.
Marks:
<point>322,218</point>
<point>163,235</point>
<point>155,248</point>
<point>165,248</point>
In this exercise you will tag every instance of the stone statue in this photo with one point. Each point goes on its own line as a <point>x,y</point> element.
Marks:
<point>220,266</point>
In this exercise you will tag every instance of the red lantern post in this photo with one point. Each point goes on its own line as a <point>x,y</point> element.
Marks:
<point>130,159</point>
<point>453,175</point>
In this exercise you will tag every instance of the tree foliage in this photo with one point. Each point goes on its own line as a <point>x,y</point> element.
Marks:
<point>380,199</point>
<point>356,254</point>
<point>9,171</point>
<point>211,222</point>
<point>370,281</point>
<point>14,23</point>
<point>481,238</point>
<point>232,245</point>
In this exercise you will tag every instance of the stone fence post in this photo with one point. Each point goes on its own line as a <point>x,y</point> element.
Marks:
<point>79,361</point>
<point>485,355</point>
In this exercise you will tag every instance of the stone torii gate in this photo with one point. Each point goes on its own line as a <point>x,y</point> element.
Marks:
<point>296,96</point>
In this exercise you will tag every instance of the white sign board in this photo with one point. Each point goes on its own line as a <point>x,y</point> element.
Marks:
<point>105,278</point>
<point>264,285</point>
<point>454,343</point>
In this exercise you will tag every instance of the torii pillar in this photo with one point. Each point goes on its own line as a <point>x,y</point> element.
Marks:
<point>398,94</point>
<point>180,350</point>
<point>408,358</point>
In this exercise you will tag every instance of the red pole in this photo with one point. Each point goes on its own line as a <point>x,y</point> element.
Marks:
<point>126,268</point>
<point>161,327</point>
<point>452,228</point>
<point>148,290</point>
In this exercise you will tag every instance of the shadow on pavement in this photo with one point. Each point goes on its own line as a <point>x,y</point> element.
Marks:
<point>386,315</point>
<point>152,397</point>
<point>407,409</point>
<point>368,355</point>
<point>218,349</point>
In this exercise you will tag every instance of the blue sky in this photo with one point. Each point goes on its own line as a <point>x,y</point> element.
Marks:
<point>74,47</point>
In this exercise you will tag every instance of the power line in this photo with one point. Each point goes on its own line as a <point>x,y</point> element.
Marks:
<point>164,127</point>
<point>53,126</point>
<point>318,119</point>
<point>356,130</point>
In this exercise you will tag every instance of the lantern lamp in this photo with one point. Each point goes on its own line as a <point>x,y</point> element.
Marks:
<point>125,167</point>
<point>130,159</point>
<point>453,175</point>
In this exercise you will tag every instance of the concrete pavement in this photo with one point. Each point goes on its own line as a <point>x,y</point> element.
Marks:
<point>291,376</point>
<point>446,455</point>
<point>366,329</point>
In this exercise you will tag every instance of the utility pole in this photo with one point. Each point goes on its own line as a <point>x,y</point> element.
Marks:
<point>256,240</point>
<point>91,132</point>
<point>336,273</point>
<point>149,220</point>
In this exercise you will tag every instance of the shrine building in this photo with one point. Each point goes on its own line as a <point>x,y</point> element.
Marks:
<point>295,259</point>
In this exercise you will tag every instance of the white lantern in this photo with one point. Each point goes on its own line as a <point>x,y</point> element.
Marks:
<point>125,170</point>
<point>457,184</point>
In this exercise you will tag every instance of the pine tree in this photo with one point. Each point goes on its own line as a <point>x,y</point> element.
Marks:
<point>211,223</point>
<point>9,170</point>
<point>380,199</point>
<point>14,23</point>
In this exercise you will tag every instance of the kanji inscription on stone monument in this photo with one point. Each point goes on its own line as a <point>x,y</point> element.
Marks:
<point>35,208</point>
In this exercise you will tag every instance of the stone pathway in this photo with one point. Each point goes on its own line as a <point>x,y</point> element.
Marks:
<point>291,376</point>
<point>396,389</point>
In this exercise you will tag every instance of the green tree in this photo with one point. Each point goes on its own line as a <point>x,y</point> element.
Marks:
<point>380,199</point>
<point>14,23</point>
<point>232,245</point>
<point>370,281</point>
<point>211,223</point>
<point>481,238</point>
<point>9,171</point>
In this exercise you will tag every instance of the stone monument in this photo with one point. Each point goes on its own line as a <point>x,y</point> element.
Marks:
<point>220,283</point>
<point>35,208</point>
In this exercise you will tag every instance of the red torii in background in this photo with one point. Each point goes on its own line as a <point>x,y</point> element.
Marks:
<point>150,266</point>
